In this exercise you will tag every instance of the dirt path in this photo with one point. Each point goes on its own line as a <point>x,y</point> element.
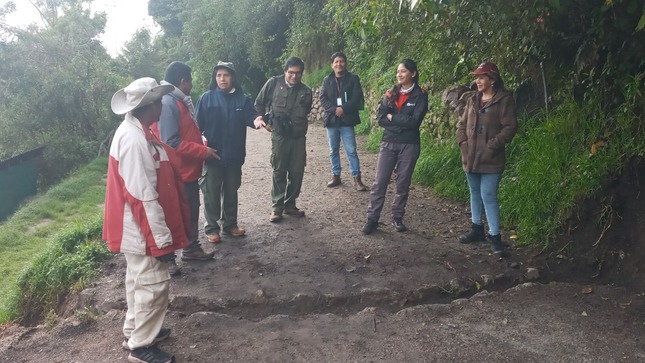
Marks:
<point>315,289</point>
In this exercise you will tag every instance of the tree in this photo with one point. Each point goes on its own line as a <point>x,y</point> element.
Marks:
<point>140,57</point>
<point>167,13</point>
<point>252,34</point>
<point>56,84</point>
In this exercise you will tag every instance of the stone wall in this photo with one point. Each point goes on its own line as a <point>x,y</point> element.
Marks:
<point>316,108</point>
<point>371,103</point>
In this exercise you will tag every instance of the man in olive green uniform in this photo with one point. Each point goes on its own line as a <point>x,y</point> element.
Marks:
<point>288,102</point>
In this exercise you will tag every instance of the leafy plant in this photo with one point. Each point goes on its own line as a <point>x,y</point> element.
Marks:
<point>72,259</point>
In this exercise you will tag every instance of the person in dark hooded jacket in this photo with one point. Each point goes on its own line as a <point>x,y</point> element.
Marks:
<point>223,113</point>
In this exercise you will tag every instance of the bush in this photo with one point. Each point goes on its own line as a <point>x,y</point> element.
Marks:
<point>71,260</point>
<point>439,165</point>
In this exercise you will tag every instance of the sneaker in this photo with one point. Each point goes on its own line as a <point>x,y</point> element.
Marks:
<point>164,334</point>
<point>173,269</point>
<point>235,232</point>
<point>398,225</point>
<point>196,253</point>
<point>276,216</point>
<point>150,355</point>
<point>293,211</point>
<point>369,226</point>
<point>214,237</point>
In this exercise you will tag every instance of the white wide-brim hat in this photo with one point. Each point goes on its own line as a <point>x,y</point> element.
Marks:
<point>139,93</point>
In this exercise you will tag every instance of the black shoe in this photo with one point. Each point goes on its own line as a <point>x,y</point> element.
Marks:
<point>196,253</point>
<point>398,225</point>
<point>150,355</point>
<point>164,334</point>
<point>496,245</point>
<point>173,269</point>
<point>476,234</point>
<point>369,226</point>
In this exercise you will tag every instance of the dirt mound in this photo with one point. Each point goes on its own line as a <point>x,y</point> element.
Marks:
<point>604,242</point>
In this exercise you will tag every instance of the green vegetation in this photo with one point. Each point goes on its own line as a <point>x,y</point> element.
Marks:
<point>314,78</point>
<point>439,165</point>
<point>365,126</point>
<point>49,245</point>
<point>585,55</point>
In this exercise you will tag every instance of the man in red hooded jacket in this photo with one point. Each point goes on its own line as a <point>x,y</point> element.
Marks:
<point>177,127</point>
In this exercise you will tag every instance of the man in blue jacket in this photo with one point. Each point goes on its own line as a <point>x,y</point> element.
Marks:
<point>223,114</point>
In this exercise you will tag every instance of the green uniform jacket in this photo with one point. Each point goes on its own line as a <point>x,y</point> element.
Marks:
<point>273,97</point>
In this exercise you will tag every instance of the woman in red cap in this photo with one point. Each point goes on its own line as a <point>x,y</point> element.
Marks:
<point>487,125</point>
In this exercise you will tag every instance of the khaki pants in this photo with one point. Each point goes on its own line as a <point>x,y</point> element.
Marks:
<point>147,285</point>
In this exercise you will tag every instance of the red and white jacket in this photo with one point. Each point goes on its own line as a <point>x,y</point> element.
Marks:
<point>146,212</point>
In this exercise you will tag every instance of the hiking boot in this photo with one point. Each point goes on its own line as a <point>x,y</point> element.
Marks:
<point>150,355</point>
<point>164,334</point>
<point>196,253</point>
<point>398,225</point>
<point>235,232</point>
<point>476,234</point>
<point>496,245</point>
<point>214,237</point>
<point>358,184</point>
<point>276,216</point>
<point>173,269</point>
<point>334,182</point>
<point>293,211</point>
<point>369,226</point>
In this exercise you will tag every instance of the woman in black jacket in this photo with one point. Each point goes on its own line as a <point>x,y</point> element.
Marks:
<point>400,113</point>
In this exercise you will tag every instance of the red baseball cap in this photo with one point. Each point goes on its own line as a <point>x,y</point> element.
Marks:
<point>488,68</point>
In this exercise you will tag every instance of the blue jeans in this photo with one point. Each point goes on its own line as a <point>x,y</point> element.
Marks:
<point>346,133</point>
<point>483,196</point>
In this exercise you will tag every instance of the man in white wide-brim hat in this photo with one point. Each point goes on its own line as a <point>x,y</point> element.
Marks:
<point>146,216</point>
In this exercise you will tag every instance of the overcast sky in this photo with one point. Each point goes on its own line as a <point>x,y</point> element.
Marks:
<point>124,18</point>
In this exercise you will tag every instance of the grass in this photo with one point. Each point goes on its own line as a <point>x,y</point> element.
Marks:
<point>439,165</point>
<point>549,170</point>
<point>40,227</point>
<point>68,264</point>
<point>366,123</point>
<point>552,169</point>
<point>315,78</point>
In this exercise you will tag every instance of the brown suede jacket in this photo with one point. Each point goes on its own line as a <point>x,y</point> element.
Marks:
<point>482,133</point>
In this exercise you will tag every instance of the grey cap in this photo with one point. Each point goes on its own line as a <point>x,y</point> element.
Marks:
<point>227,65</point>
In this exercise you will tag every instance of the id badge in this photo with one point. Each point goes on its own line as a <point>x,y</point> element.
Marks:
<point>339,101</point>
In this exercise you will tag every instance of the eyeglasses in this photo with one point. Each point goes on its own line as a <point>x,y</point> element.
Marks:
<point>291,73</point>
